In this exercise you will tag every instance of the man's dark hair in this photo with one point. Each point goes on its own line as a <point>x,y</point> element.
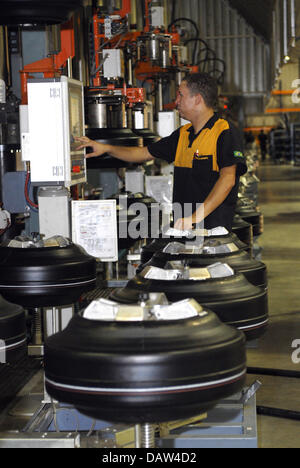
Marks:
<point>204,84</point>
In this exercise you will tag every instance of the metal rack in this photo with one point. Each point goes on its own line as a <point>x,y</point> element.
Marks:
<point>295,143</point>
<point>280,144</point>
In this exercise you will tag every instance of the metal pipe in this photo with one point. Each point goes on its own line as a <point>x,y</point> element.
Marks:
<point>130,75</point>
<point>275,46</point>
<point>3,56</point>
<point>70,70</point>
<point>293,22</point>
<point>137,434</point>
<point>160,95</point>
<point>278,29</point>
<point>37,338</point>
<point>285,29</point>
<point>147,435</point>
<point>133,15</point>
<point>178,78</point>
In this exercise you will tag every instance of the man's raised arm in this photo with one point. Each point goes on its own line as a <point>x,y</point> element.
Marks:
<point>132,154</point>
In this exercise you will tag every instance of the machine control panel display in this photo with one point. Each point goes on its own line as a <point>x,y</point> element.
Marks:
<point>55,119</point>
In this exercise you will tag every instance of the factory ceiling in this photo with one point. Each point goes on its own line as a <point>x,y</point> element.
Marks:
<point>258,14</point>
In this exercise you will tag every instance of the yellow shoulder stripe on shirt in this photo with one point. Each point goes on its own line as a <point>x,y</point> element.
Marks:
<point>204,145</point>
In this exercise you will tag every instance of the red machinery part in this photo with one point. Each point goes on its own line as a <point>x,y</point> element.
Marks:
<point>50,66</point>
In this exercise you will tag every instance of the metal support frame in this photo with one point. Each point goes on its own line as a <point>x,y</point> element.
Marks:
<point>231,424</point>
<point>43,440</point>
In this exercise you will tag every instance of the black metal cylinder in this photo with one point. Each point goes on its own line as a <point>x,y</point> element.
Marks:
<point>12,332</point>
<point>7,163</point>
<point>37,11</point>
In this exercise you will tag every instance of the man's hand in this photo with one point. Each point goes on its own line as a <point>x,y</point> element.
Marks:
<point>184,224</point>
<point>98,148</point>
<point>131,154</point>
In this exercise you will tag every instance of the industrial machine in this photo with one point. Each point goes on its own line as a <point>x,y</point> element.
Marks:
<point>73,231</point>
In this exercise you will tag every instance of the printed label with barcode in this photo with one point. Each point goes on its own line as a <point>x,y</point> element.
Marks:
<point>55,92</point>
<point>57,170</point>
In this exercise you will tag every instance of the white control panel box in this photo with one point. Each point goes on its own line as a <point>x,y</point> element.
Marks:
<point>168,122</point>
<point>55,118</point>
<point>113,63</point>
<point>157,17</point>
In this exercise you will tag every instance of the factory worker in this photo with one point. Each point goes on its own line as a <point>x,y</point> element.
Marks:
<point>207,155</point>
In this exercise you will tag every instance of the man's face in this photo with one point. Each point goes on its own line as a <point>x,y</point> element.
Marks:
<point>185,102</point>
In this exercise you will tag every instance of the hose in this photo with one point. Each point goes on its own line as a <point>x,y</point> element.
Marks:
<point>190,21</point>
<point>174,2</point>
<point>278,413</point>
<point>185,19</point>
<point>273,372</point>
<point>198,39</point>
<point>26,192</point>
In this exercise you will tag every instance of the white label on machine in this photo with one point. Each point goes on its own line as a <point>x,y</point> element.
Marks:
<point>25,146</point>
<point>160,188</point>
<point>134,181</point>
<point>94,227</point>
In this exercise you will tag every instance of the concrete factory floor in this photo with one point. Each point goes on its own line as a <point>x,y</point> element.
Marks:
<point>279,200</point>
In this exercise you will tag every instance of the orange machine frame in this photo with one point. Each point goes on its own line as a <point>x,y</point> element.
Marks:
<point>51,66</point>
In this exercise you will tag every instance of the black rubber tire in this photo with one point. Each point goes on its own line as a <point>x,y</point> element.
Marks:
<point>40,277</point>
<point>233,299</point>
<point>12,332</point>
<point>158,244</point>
<point>147,135</point>
<point>127,371</point>
<point>243,230</point>
<point>111,136</point>
<point>240,261</point>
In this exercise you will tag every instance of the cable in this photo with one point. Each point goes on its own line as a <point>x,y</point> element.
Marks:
<point>214,59</point>
<point>123,31</point>
<point>221,77</point>
<point>92,428</point>
<point>197,39</point>
<point>190,21</point>
<point>174,4</point>
<point>185,19</point>
<point>274,372</point>
<point>278,413</point>
<point>26,192</point>
<point>55,411</point>
<point>54,415</point>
